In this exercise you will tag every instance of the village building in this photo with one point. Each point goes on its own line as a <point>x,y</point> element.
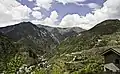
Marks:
<point>112,60</point>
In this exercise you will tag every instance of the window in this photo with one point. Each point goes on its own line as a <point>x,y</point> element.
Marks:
<point>117,61</point>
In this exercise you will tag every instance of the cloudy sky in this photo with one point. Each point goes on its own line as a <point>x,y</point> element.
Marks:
<point>61,13</point>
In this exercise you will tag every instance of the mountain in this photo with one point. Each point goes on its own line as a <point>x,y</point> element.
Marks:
<point>105,27</point>
<point>28,46</point>
<point>62,33</point>
<point>81,54</point>
<point>40,40</point>
<point>32,43</point>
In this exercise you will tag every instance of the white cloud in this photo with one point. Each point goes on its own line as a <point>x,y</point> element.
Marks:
<point>74,20</point>
<point>20,12</point>
<point>54,15</point>
<point>11,11</point>
<point>93,5</point>
<point>44,3</point>
<point>30,0</point>
<point>37,14</point>
<point>36,8</point>
<point>110,10</point>
<point>49,21</point>
<point>70,1</point>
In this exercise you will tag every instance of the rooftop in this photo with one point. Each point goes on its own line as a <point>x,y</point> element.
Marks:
<point>114,49</point>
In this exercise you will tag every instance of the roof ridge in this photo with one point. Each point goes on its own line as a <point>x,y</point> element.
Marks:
<point>113,49</point>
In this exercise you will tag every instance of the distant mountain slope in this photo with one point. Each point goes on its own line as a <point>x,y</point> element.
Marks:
<point>81,53</point>
<point>62,33</point>
<point>88,39</point>
<point>105,27</point>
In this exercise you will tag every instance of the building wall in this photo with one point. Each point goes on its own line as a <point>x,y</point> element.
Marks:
<point>111,57</point>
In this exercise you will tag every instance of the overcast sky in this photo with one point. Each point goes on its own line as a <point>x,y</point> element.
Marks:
<point>62,13</point>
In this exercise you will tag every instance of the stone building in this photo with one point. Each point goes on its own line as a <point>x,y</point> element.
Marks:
<point>112,60</point>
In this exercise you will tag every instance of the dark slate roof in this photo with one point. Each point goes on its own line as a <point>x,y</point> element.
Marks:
<point>114,49</point>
